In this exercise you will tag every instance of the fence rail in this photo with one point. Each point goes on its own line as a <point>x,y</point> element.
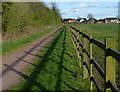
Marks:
<point>98,43</point>
<point>84,46</point>
<point>100,70</point>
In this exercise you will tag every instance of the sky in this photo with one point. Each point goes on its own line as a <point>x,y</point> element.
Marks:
<point>77,8</point>
<point>81,0</point>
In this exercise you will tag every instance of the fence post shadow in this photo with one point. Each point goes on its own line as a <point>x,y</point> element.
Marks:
<point>32,77</point>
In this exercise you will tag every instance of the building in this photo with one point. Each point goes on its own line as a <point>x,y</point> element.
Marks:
<point>69,20</point>
<point>112,20</point>
<point>81,20</point>
<point>91,20</point>
<point>99,21</point>
<point>72,21</point>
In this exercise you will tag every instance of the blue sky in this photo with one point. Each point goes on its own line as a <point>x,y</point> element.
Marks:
<point>81,0</point>
<point>76,9</point>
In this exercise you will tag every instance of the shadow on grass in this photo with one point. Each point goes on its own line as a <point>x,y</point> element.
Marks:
<point>31,80</point>
<point>60,65</point>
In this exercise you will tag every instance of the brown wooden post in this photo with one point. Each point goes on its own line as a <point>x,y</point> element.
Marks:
<point>110,62</point>
<point>77,46</point>
<point>77,35</point>
<point>85,71</point>
<point>79,50</point>
<point>91,65</point>
<point>81,53</point>
<point>73,40</point>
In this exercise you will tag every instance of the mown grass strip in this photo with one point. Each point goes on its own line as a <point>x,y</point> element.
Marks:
<point>12,45</point>
<point>56,68</point>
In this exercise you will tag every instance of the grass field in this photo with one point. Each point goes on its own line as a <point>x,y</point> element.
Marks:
<point>56,68</point>
<point>100,31</point>
<point>12,45</point>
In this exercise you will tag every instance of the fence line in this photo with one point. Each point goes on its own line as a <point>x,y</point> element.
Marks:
<point>84,46</point>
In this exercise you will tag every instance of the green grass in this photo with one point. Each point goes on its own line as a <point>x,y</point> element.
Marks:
<point>12,45</point>
<point>100,31</point>
<point>56,68</point>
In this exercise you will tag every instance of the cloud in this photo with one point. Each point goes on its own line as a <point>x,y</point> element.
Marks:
<point>111,6</point>
<point>75,10</point>
<point>64,13</point>
<point>93,5</point>
<point>83,5</point>
<point>76,6</point>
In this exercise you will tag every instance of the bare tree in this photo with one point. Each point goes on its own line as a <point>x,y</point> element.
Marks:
<point>55,9</point>
<point>90,15</point>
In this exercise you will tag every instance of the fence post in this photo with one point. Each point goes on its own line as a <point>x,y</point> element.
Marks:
<point>85,71</point>
<point>110,62</point>
<point>91,66</point>
<point>81,49</point>
<point>73,40</point>
<point>77,35</point>
<point>78,48</point>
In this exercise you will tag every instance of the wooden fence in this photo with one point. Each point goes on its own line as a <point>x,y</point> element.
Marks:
<point>84,45</point>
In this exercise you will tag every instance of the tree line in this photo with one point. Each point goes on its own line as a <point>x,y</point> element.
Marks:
<point>16,16</point>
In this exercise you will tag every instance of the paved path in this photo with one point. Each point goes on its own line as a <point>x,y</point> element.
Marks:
<point>16,62</point>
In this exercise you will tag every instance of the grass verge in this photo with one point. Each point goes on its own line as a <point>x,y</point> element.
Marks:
<point>12,45</point>
<point>56,68</point>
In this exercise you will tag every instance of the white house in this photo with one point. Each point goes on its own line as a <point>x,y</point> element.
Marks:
<point>112,20</point>
<point>81,20</point>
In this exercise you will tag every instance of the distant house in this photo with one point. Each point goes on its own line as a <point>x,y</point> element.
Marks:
<point>99,21</point>
<point>107,20</point>
<point>72,21</point>
<point>69,20</point>
<point>115,20</point>
<point>91,20</point>
<point>81,20</point>
<point>65,20</point>
<point>112,20</point>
